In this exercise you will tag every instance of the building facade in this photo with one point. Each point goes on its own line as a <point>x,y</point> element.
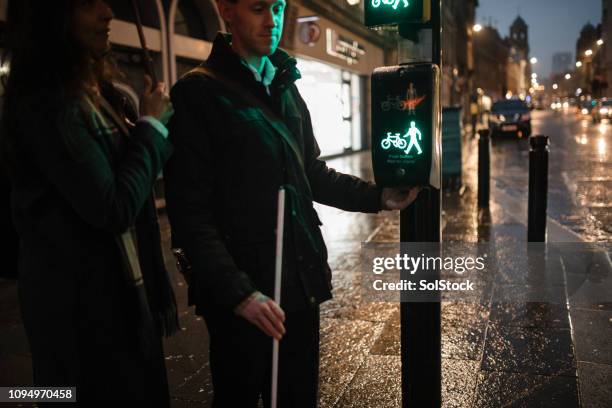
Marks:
<point>491,53</point>
<point>606,36</point>
<point>590,72</point>
<point>519,69</point>
<point>458,17</point>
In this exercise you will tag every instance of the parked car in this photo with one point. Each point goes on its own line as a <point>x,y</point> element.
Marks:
<point>603,110</point>
<point>510,116</point>
<point>587,107</point>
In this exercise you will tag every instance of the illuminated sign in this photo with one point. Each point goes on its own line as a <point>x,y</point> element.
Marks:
<point>392,3</point>
<point>380,12</point>
<point>406,125</point>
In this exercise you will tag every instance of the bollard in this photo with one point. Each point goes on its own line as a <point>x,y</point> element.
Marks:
<point>484,168</point>
<point>538,188</point>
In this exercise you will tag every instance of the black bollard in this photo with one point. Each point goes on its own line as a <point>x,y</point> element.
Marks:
<point>538,188</point>
<point>484,168</point>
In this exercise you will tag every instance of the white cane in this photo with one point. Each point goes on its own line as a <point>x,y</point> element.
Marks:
<point>280,226</point>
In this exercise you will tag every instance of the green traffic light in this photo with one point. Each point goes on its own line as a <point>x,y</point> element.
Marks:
<point>392,3</point>
<point>381,12</point>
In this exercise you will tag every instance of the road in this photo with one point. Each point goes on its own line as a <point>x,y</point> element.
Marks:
<point>580,177</point>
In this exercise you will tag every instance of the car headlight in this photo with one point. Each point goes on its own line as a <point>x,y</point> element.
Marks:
<point>502,118</point>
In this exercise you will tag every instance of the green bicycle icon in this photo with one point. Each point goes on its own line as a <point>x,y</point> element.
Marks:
<point>394,139</point>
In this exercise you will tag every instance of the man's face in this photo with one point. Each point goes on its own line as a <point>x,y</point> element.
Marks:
<point>256,25</point>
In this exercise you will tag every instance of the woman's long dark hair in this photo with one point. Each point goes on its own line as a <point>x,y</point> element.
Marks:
<point>47,65</point>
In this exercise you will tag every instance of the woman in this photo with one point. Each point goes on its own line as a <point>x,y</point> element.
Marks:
<point>82,177</point>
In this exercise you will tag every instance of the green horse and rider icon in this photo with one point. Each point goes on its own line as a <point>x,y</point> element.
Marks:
<point>408,141</point>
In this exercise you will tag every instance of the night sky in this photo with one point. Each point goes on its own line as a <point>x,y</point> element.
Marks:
<point>554,25</point>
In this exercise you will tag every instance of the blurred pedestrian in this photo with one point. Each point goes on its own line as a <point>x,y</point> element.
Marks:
<point>94,293</point>
<point>242,131</point>
<point>474,112</point>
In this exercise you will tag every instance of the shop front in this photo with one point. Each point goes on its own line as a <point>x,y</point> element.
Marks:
<point>335,65</point>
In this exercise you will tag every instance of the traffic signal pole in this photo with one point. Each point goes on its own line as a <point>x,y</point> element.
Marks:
<point>406,152</point>
<point>420,322</point>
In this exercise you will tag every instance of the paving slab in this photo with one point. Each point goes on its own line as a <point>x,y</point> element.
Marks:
<point>595,385</point>
<point>514,390</point>
<point>593,335</point>
<point>533,350</point>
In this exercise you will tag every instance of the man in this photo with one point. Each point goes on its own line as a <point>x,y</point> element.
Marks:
<point>239,136</point>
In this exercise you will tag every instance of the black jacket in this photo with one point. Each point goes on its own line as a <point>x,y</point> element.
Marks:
<point>70,200</point>
<point>222,184</point>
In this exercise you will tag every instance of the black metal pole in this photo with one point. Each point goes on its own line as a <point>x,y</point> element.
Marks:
<point>484,168</point>
<point>420,322</point>
<point>538,188</point>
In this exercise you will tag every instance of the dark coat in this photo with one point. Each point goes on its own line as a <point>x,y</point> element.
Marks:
<point>70,200</point>
<point>222,184</point>
<point>10,244</point>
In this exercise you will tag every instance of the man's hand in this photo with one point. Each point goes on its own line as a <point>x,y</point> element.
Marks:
<point>264,313</point>
<point>398,198</point>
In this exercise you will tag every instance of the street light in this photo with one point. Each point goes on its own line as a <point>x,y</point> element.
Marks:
<point>533,60</point>
<point>534,75</point>
<point>568,76</point>
<point>578,64</point>
<point>600,42</point>
<point>588,53</point>
<point>477,28</point>
<point>555,86</point>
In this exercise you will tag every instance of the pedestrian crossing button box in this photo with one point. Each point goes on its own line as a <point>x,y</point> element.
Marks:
<point>406,126</point>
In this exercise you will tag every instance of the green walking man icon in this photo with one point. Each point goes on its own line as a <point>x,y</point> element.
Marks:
<point>413,133</point>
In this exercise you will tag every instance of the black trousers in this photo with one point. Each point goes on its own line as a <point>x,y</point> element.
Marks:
<point>241,361</point>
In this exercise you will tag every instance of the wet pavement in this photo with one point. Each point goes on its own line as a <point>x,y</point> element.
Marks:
<point>494,354</point>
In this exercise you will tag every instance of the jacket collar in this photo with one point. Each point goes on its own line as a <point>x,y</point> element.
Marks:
<point>222,57</point>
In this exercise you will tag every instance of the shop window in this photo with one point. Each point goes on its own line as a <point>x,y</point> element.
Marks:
<point>334,98</point>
